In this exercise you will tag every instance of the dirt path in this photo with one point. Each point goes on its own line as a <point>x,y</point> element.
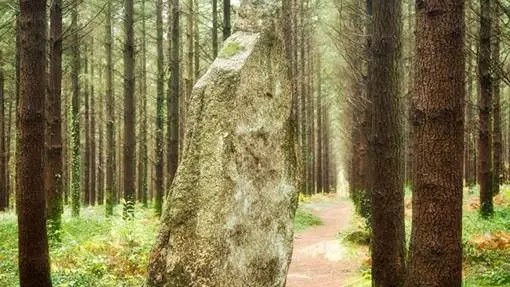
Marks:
<point>319,258</point>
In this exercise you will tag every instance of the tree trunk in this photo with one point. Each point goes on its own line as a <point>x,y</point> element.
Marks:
<point>10,130</point>
<point>196,40</point>
<point>435,256</point>
<point>75,129</point>
<point>234,195</point>
<point>18,79</point>
<point>408,155</point>
<point>485,102</point>
<point>34,267</point>
<point>387,190</point>
<point>110,114</point>
<point>469,161</point>
<point>365,149</point>
<point>226,20</point>
<point>92,131</point>
<point>143,153</point>
<point>53,133</point>
<point>302,97</point>
<point>326,173</point>
<point>320,128</point>
<point>4,198</point>
<point>496,89</point>
<point>100,148</point>
<point>174,92</point>
<point>110,191</point>
<point>158,199</point>
<point>129,110</point>
<point>310,99</point>
<point>188,62</point>
<point>66,158</point>
<point>215,28</point>
<point>86,123</point>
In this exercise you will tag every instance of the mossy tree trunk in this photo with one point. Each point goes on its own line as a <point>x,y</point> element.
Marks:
<point>53,133</point>
<point>75,129</point>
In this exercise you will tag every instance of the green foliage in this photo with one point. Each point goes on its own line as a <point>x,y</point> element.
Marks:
<point>359,233</point>
<point>359,237</point>
<point>8,251</point>
<point>231,48</point>
<point>363,205</point>
<point>487,266</point>
<point>93,251</point>
<point>304,219</point>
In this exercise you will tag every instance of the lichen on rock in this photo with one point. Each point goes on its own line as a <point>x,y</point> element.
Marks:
<point>229,214</point>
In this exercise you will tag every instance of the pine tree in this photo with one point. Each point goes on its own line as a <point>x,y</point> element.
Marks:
<point>34,267</point>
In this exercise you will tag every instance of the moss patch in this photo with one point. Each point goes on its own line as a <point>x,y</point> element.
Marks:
<point>231,49</point>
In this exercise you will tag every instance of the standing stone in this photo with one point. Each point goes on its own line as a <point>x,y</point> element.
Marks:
<point>229,214</point>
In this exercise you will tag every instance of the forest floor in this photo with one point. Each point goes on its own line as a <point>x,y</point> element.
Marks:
<point>320,258</point>
<point>330,246</point>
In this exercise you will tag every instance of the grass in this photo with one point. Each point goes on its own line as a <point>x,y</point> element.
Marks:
<point>305,219</point>
<point>98,251</point>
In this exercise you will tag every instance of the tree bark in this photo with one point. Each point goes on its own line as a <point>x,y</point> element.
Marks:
<point>365,148</point>
<point>143,150</point>
<point>496,89</point>
<point>101,147</point>
<point>226,20</point>
<point>215,28</point>
<point>85,166</point>
<point>196,40</point>
<point>75,129</point>
<point>10,131</point>
<point>34,267</point>
<point>158,199</point>
<point>174,92</point>
<point>387,189</point>
<point>53,127</point>
<point>320,128</point>
<point>4,198</point>
<point>469,159</point>
<point>485,103</point>
<point>92,131</point>
<point>129,111</point>
<point>110,114</point>
<point>435,256</point>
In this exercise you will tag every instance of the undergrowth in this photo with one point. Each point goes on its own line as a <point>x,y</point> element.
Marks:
<point>487,245</point>
<point>95,251</point>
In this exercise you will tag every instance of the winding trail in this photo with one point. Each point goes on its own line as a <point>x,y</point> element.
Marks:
<point>319,258</point>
